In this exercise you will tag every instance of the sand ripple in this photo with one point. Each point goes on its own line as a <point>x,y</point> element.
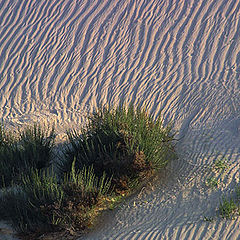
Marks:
<point>60,59</point>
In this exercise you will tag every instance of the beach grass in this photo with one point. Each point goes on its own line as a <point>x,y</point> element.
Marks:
<point>22,151</point>
<point>41,203</point>
<point>100,165</point>
<point>229,207</point>
<point>125,143</point>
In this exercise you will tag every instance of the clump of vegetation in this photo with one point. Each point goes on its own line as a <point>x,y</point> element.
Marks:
<point>208,219</point>
<point>32,148</point>
<point>237,190</point>
<point>212,182</point>
<point>217,168</point>
<point>5,137</point>
<point>102,163</point>
<point>85,196</point>
<point>31,206</point>
<point>228,208</point>
<point>221,164</point>
<point>36,144</point>
<point>41,203</point>
<point>126,144</point>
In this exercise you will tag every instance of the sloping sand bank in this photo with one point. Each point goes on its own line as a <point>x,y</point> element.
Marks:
<point>61,58</point>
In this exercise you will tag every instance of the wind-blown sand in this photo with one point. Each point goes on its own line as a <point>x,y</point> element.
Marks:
<point>61,58</point>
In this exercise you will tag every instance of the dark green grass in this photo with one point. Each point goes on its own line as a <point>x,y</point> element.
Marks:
<point>138,131</point>
<point>106,160</point>
<point>122,142</point>
<point>31,148</point>
<point>41,203</point>
<point>229,207</point>
<point>36,144</point>
<point>6,137</point>
<point>86,183</point>
<point>30,206</point>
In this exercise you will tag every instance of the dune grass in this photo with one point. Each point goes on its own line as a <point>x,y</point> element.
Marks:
<point>229,207</point>
<point>41,203</point>
<point>125,143</point>
<point>100,164</point>
<point>30,205</point>
<point>19,153</point>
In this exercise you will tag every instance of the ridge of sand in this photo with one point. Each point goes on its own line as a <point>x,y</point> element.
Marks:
<point>60,59</point>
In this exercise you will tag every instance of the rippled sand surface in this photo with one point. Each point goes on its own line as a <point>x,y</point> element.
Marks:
<point>61,58</point>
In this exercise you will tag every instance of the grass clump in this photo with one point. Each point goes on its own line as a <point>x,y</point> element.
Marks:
<point>36,145</point>
<point>126,144</point>
<point>85,196</point>
<point>212,182</point>
<point>31,148</point>
<point>221,164</point>
<point>42,204</point>
<point>228,208</point>
<point>116,150</point>
<point>5,137</point>
<point>32,205</point>
<point>87,184</point>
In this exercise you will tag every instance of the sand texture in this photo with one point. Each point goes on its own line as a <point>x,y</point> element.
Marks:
<point>61,58</point>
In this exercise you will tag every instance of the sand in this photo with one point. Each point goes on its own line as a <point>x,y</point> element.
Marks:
<point>59,59</point>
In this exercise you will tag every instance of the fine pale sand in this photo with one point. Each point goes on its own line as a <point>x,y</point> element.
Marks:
<point>60,59</point>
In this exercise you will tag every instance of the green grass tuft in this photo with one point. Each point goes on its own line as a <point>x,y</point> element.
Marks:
<point>221,164</point>
<point>123,143</point>
<point>32,148</point>
<point>101,164</point>
<point>86,184</point>
<point>32,205</point>
<point>36,144</point>
<point>212,182</point>
<point>41,203</point>
<point>227,208</point>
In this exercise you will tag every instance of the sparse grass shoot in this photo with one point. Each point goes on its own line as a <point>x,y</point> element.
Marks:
<point>228,208</point>
<point>221,164</point>
<point>212,182</point>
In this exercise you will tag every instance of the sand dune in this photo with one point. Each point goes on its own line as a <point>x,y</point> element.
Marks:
<point>60,59</point>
